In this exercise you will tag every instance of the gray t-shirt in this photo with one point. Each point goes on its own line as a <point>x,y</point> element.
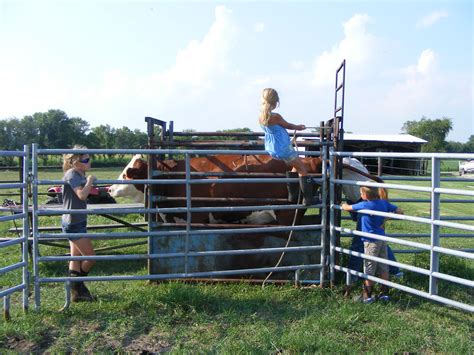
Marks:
<point>72,179</point>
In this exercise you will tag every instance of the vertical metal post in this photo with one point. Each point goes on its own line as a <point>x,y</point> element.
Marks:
<point>6,308</point>
<point>324,200</point>
<point>36,276</point>
<point>332,235</point>
<point>379,166</point>
<point>149,203</point>
<point>435,214</point>
<point>188,211</point>
<point>26,227</point>
<point>170,136</point>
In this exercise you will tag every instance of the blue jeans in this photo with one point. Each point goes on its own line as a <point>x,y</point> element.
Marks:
<point>80,227</point>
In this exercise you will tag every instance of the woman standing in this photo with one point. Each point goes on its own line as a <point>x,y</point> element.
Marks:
<point>75,191</point>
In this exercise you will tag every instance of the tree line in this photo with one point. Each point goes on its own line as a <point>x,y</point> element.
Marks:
<point>55,130</point>
<point>435,132</point>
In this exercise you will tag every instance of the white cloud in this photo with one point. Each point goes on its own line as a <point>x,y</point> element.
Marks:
<point>259,27</point>
<point>198,69</point>
<point>426,65</point>
<point>356,47</point>
<point>431,19</point>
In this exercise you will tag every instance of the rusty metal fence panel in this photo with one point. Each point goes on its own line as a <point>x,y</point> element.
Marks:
<point>188,234</point>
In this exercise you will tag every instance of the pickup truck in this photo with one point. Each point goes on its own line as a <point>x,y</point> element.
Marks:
<point>466,167</point>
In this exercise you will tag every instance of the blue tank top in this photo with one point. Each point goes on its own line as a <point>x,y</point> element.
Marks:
<point>277,142</point>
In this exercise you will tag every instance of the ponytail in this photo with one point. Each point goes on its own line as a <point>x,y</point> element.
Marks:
<point>270,100</point>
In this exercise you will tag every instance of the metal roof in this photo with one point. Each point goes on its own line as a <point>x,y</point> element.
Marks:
<point>400,138</point>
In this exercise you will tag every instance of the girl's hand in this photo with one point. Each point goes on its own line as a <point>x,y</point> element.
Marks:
<point>91,179</point>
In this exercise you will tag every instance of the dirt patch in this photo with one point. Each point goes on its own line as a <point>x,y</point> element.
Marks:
<point>27,346</point>
<point>148,344</point>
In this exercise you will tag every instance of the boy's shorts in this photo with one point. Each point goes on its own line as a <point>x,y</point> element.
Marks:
<point>379,249</point>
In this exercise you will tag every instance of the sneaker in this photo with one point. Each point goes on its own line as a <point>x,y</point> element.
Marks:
<point>368,300</point>
<point>399,274</point>
<point>384,298</point>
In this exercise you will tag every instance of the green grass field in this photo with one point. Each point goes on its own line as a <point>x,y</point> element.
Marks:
<point>136,316</point>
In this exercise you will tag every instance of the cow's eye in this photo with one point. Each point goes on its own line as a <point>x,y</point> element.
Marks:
<point>124,176</point>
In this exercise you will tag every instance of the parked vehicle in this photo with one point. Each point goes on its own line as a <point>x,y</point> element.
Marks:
<point>97,195</point>
<point>466,167</point>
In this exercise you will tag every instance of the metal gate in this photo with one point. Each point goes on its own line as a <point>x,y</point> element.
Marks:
<point>187,233</point>
<point>13,214</point>
<point>435,221</point>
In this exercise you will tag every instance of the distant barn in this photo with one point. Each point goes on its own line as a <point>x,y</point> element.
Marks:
<point>388,143</point>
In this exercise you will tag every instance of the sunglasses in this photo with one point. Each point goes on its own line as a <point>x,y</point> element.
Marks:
<point>85,161</point>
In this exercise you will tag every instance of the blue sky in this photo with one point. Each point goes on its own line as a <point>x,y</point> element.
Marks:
<point>204,64</point>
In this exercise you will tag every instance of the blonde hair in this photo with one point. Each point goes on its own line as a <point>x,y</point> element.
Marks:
<point>372,193</point>
<point>270,101</point>
<point>70,159</point>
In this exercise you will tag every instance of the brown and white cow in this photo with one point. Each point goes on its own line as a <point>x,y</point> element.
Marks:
<point>203,194</point>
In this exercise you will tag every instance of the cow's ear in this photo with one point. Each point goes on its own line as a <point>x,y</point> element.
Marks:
<point>137,164</point>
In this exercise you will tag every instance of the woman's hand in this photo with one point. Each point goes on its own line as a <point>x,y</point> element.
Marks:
<point>91,179</point>
<point>300,127</point>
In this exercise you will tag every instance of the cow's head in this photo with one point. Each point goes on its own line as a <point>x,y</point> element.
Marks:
<point>136,169</point>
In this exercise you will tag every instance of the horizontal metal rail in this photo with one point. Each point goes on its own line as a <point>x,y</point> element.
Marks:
<point>182,275</point>
<point>164,151</point>
<point>130,235</point>
<point>10,153</point>
<point>418,178</point>
<point>420,235</point>
<point>18,185</point>
<point>12,267</point>
<point>409,243</point>
<point>11,290</point>
<point>407,289</point>
<point>445,156</point>
<point>467,227</point>
<point>55,212</point>
<point>10,242</point>
<point>13,217</point>
<point>235,134</point>
<point>182,254</point>
<point>158,198</point>
<point>181,181</point>
<point>416,269</point>
<point>383,261</point>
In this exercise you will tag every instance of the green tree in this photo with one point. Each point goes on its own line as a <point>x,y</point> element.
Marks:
<point>103,136</point>
<point>434,131</point>
<point>469,146</point>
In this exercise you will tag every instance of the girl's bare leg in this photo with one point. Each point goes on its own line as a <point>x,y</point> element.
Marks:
<point>83,247</point>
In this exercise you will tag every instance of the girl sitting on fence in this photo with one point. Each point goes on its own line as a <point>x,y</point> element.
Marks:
<point>278,144</point>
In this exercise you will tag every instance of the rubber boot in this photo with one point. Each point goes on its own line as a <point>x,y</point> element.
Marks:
<point>78,294</point>
<point>293,188</point>
<point>75,287</point>
<point>306,185</point>
<point>83,290</point>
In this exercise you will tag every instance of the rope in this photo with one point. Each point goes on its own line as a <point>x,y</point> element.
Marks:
<point>10,204</point>
<point>286,245</point>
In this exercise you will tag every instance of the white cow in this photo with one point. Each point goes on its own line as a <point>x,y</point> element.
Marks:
<point>352,192</point>
<point>127,190</point>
